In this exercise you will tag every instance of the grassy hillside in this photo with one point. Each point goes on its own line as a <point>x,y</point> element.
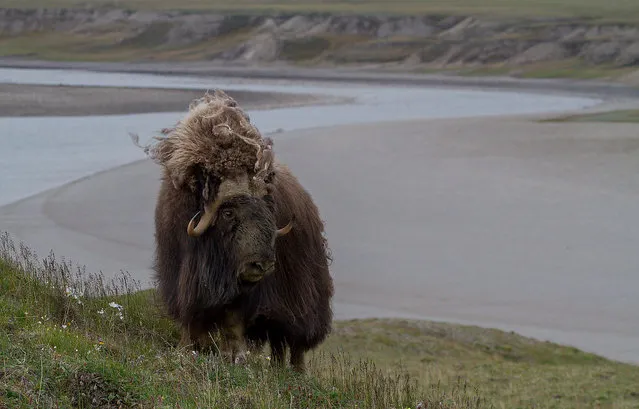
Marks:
<point>622,116</point>
<point>71,342</point>
<point>620,10</point>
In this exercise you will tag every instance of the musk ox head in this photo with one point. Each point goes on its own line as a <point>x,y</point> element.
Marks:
<point>240,221</point>
<point>217,157</point>
<point>244,234</point>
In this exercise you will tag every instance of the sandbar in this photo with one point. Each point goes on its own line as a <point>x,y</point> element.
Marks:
<point>62,100</point>
<point>503,222</point>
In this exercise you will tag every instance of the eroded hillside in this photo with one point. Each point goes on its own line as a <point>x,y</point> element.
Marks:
<point>430,41</point>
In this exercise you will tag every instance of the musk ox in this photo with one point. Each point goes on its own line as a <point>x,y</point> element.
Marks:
<point>240,245</point>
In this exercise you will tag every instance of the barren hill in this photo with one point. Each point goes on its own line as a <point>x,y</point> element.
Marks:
<point>415,42</point>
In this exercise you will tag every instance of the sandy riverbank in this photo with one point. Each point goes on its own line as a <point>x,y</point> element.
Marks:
<point>503,222</point>
<point>48,100</point>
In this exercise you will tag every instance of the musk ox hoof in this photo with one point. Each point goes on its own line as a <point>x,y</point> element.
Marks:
<point>235,358</point>
<point>241,359</point>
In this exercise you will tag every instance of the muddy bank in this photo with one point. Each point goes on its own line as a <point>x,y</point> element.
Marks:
<point>45,100</point>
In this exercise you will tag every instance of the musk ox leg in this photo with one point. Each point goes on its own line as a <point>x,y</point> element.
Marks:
<point>191,337</point>
<point>278,349</point>
<point>297,359</point>
<point>234,346</point>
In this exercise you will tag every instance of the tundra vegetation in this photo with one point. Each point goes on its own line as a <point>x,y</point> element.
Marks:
<point>69,338</point>
<point>619,116</point>
<point>537,38</point>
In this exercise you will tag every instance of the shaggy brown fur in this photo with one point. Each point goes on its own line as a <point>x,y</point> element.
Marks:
<point>216,137</point>
<point>200,278</point>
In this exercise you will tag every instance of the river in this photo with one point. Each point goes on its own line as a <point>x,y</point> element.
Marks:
<point>40,153</point>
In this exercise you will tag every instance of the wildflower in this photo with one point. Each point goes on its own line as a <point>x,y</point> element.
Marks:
<point>115,305</point>
<point>101,312</point>
<point>64,326</point>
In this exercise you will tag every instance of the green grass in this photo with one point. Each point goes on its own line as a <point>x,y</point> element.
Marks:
<point>147,46</point>
<point>623,116</point>
<point>63,344</point>
<point>620,10</point>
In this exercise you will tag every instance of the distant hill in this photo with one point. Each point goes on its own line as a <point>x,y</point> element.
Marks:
<point>540,46</point>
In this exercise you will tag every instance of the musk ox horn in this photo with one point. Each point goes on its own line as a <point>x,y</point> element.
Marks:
<point>228,188</point>
<point>205,221</point>
<point>284,230</point>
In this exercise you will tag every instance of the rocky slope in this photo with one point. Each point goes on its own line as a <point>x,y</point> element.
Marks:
<point>431,40</point>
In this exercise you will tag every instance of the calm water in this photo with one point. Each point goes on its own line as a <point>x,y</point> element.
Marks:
<point>39,153</point>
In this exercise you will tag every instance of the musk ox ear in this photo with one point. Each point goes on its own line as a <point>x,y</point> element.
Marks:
<point>178,180</point>
<point>181,178</point>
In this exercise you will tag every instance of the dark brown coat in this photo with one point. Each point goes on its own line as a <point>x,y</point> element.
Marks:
<point>290,307</point>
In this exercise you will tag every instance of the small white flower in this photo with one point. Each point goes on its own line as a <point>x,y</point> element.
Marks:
<point>70,292</point>
<point>101,312</point>
<point>115,305</point>
<point>64,326</point>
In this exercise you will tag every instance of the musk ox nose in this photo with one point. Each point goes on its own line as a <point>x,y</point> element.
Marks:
<point>266,267</point>
<point>255,271</point>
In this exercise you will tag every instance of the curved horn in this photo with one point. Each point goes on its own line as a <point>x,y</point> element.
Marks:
<point>207,220</point>
<point>284,230</point>
<point>228,188</point>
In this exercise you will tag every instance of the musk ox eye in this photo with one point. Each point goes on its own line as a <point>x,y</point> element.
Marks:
<point>227,213</point>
